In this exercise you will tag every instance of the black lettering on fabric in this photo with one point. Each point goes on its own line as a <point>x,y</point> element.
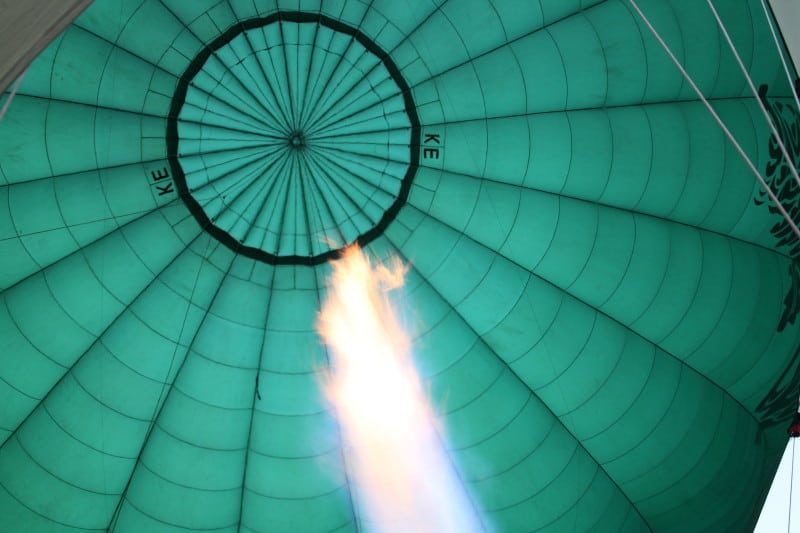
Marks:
<point>165,190</point>
<point>160,174</point>
<point>430,153</point>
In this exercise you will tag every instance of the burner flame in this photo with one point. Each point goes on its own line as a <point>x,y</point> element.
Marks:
<point>403,478</point>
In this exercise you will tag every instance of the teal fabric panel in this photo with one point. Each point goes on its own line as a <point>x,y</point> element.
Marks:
<point>601,301</point>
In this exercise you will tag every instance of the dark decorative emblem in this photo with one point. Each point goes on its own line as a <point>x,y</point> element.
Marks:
<point>781,401</point>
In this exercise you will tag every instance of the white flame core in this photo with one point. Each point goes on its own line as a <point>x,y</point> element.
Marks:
<point>404,479</point>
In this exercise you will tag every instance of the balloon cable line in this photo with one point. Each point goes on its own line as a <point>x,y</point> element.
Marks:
<point>791,486</point>
<point>717,118</point>
<point>253,405</point>
<point>770,122</point>
<point>166,390</point>
<point>11,94</point>
<point>781,53</point>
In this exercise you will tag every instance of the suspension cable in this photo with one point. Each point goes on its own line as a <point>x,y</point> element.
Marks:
<point>772,127</point>
<point>791,486</point>
<point>11,95</point>
<point>717,118</point>
<point>780,52</point>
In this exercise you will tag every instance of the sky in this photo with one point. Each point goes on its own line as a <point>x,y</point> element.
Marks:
<point>775,515</point>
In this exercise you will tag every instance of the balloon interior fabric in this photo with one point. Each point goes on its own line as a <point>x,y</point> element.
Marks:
<point>603,298</point>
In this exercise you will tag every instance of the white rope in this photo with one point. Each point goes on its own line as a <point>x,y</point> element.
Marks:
<point>14,90</point>
<point>779,46</point>
<point>791,488</point>
<point>784,151</point>
<point>714,114</point>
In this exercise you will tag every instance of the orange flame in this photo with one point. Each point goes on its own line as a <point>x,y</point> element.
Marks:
<point>403,476</point>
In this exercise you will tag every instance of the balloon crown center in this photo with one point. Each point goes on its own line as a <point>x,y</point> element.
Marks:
<point>297,140</point>
<point>293,179</point>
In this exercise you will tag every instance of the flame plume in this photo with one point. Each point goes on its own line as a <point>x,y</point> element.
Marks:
<point>403,477</point>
